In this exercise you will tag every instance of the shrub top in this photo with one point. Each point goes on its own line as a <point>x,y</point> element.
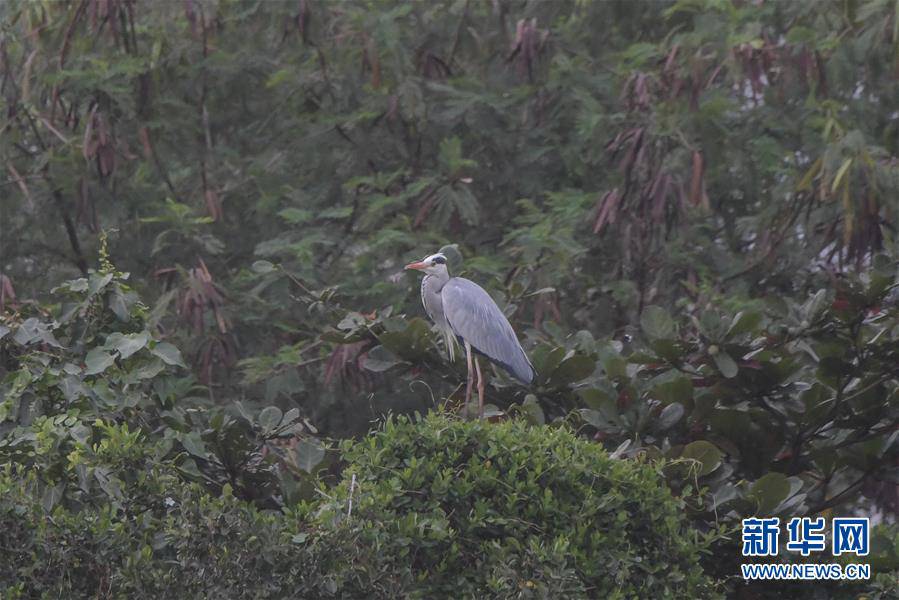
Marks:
<point>477,508</point>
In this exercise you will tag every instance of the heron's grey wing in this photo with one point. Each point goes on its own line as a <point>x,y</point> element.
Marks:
<point>474,316</point>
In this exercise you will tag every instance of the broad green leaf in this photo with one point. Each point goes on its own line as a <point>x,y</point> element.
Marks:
<point>593,397</point>
<point>169,354</point>
<point>572,369</point>
<point>676,388</point>
<point>725,364</point>
<point>593,417</point>
<point>744,322</point>
<point>72,388</point>
<point>109,483</point>
<point>52,496</point>
<point>614,366</point>
<point>97,282</point>
<point>408,344</point>
<point>606,410</point>
<point>194,444</point>
<point>706,453</point>
<point>119,305</point>
<point>309,454</point>
<point>546,358</point>
<point>127,344</point>
<point>81,433</point>
<point>33,330</point>
<point>97,361</point>
<point>379,359</point>
<point>670,415</point>
<point>270,418</point>
<point>814,306</point>
<point>262,267</point>
<point>148,370</point>
<point>291,415</point>
<point>769,491</point>
<point>669,350</point>
<point>622,447</point>
<point>351,321</point>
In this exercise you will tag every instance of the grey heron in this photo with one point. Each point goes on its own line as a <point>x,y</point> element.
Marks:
<point>463,311</point>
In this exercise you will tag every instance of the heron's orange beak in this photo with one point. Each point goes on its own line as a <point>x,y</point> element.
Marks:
<point>418,266</point>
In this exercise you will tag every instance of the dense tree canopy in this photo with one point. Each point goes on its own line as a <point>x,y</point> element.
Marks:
<point>687,209</point>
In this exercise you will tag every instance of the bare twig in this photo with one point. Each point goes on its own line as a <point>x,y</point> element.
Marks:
<point>69,224</point>
<point>21,183</point>
<point>349,511</point>
<point>144,134</point>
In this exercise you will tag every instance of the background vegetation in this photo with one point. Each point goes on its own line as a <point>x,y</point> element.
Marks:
<point>687,209</point>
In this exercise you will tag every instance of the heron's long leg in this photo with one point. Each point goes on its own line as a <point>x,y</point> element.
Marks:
<point>470,377</point>
<point>477,368</point>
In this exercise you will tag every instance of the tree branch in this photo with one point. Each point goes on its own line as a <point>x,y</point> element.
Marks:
<point>78,258</point>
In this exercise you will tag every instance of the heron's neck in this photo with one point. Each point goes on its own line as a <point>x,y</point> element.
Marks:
<point>436,281</point>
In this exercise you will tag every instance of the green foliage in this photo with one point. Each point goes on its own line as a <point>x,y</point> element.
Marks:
<point>503,509</point>
<point>787,409</point>
<point>687,213</point>
<point>688,151</point>
<point>93,399</point>
<point>439,507</point>
<point>171,540</point>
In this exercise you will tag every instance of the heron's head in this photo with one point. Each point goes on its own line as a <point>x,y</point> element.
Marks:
<point>434,264</point>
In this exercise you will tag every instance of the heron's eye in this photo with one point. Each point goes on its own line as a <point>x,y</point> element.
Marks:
<point>439,260</point>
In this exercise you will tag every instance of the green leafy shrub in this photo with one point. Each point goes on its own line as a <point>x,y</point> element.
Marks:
<point>444,508</point>
<point>80,392</point>
<point>181,543</point>
<point>441,508</point>
<point>478,509</point>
